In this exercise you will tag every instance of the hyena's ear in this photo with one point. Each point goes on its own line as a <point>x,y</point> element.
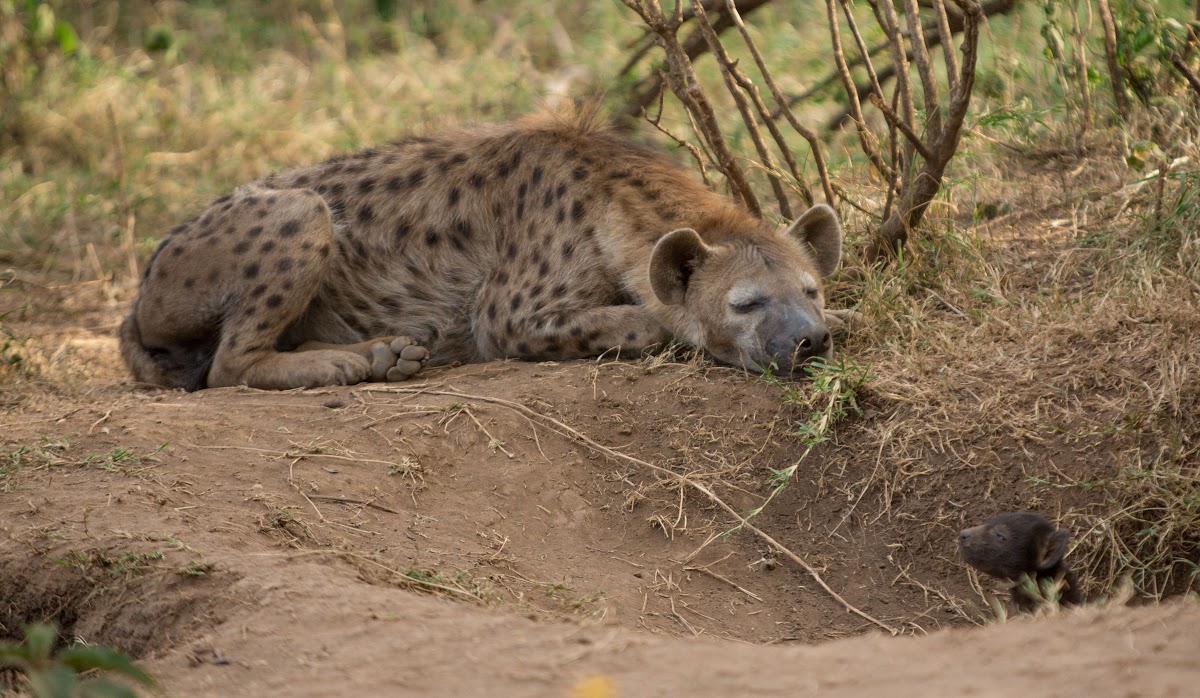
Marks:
<point>818,228</point>
<point>1053,549</point>
<point>676,255</point>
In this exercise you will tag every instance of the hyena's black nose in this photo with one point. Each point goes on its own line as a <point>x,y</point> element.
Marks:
<point>790,349</point>
<point>813,341</point>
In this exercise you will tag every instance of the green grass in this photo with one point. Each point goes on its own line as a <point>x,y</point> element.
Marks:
<point>75,670</point>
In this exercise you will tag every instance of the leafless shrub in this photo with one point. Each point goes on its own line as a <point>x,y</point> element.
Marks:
<point>909,152</point>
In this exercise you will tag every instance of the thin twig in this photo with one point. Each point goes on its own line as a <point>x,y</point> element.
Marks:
<point>359,502</point>
<point>728,581</point>
<point>895,121</point>
<point>493,442</point>
<point>866,138</point>
<point>729,73</point>
<point>813,143</point>
<point>682,143</point>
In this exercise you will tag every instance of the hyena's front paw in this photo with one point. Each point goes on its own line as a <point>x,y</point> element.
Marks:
<point>842,320</point>
<point>397,359</point>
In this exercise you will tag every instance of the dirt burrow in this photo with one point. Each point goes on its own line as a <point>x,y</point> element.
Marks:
<point>427,536</point>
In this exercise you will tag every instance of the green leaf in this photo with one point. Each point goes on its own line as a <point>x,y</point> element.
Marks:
<point>39,641</point>
<point>386,9</point>
<point>159,38</point>
<point>67,39</point>
<point>13,655</point>
<point>57,682</point>
<point>84,657</point>
<point>104,688</point>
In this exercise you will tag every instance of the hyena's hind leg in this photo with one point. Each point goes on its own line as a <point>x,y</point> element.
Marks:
<point>277,288</point>
<point>221,291</point>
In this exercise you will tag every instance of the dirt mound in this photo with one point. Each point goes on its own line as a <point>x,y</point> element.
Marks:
<point>243,540</point>
<point>111,594</point>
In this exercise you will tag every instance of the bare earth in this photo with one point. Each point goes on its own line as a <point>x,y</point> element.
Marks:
<point>433,537</point>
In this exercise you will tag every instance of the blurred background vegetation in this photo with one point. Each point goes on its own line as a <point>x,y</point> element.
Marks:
<point>121,117</point>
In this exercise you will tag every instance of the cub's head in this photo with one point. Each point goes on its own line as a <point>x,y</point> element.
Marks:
<point>1014,543</point>
<point>753,300</point>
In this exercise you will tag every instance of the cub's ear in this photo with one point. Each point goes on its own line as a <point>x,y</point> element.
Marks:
<point>818,228</point>
<point>676,255</point>
<point>1052,550</point>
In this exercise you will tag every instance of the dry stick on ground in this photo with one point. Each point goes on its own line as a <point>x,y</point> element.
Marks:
<point>567,431</point>
<point>682,80</point>
<point>813,143</point>
<point>942,139</point>
<point>1110,57</point>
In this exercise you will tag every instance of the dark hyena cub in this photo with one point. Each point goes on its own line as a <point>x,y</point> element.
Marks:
<point>1013,544</point>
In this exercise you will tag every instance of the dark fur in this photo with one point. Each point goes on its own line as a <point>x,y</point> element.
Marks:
<point>1013,544</point>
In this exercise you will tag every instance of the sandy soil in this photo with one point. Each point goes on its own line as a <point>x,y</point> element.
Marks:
<point>447,536</point>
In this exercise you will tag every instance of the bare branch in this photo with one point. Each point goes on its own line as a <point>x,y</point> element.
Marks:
<point>929,85</point>
<point>944,38</point>
<point>866,138</point>
<point>894,120</point>
<point>1110,57</point>
<point>1085,118</point>
<point>893,181</point>
<point>694,46</point>
<point>748,85</point>
<point>681,78</point>
<point>781,102</point>
<point>1184,70</point>
<point>932,38</point>
<point>885,14</point>
<point>729,73</point>
<point>863,52</point>
<point>925,185</point>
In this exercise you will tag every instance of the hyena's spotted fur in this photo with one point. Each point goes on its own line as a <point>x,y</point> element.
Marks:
<point>546,238</point>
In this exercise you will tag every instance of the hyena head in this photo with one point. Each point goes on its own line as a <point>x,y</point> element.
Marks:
<point>752,300</point>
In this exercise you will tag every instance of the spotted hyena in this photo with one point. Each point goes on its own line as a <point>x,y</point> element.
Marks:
<point>550,237</point>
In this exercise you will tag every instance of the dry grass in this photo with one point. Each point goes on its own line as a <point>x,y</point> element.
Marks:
<point>1062,338</point>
